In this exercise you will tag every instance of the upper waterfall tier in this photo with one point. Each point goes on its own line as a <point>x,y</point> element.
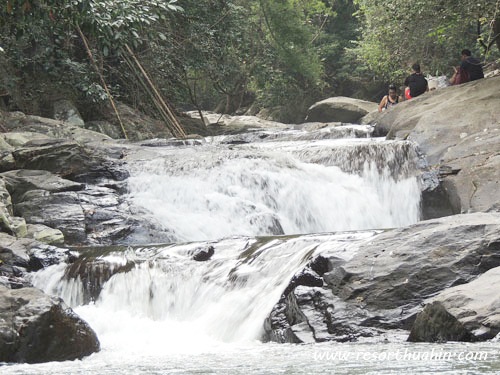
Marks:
<point>273,182</point>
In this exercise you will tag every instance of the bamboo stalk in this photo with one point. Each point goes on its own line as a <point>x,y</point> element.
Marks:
<point>158,106</point>
<point>101,77</point>
<point>177,128</point>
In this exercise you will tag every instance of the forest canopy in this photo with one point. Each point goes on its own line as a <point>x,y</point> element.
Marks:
<point>232,55</point>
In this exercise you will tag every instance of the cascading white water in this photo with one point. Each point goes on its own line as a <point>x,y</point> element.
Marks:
<point>170,301</point>
<point>216,190</point>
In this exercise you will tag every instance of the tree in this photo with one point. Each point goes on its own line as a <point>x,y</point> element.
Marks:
<point>397,33</point>
<point>42,42</point>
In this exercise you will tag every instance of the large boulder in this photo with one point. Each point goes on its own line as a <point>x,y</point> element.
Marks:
<point>66,111</point>
<point>37,328</point>
<point>63,181</point>
<point>474,306</point>
<point>138,126</point>
<point>383,285</point>
<point>51,128</point>
<point>340,109</point>
<point>436,324</point>
<point>457,128</point>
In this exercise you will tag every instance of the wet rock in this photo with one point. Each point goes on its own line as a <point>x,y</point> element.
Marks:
<point>473,306</point>
<point>14,252</point>
<point>201,255</point>
<point>94,272</point>
<point>43,255</point>
<point>383,286</point>
<point>20,181</point>
<point>339,109</point>
<point>436,324</point>
<point>69,160</point>
<point>45,234</point>
<point>60,210</point>
<point>37,328</point>
<point>286,323</point>
<point>76,212</point>
<point>73,152</point>
<point>320,265</point>
<point>306,277</point>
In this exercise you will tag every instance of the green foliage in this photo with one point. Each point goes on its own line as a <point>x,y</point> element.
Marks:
<point>397,33</point>
<point>230,54</point>
<point>224,54</point>
<point>42,44</point>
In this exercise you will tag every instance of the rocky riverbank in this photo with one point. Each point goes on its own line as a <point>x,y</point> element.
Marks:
<point>386,285</point>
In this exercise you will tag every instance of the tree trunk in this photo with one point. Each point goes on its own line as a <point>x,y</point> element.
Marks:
<point>496,31</point>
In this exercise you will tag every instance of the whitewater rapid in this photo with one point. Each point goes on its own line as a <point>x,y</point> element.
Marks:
<point>277,186</point>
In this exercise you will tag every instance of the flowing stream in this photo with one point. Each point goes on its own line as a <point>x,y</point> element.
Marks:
<point>158,311</point>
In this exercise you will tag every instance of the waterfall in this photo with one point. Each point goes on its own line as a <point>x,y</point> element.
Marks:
<point>168,301</point>
<point>231,193</point>
<point>274,185</point>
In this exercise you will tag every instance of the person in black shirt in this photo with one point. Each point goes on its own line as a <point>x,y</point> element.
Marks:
<point>416,83</point>
<point>471,65</point>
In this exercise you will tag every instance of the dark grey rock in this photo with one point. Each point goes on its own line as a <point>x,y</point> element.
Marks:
<point>383,286</point>
<point>42,256</point>
<point>435,324</point>
<point>37,328</point>
<point>474,307</point>
<point>204,254</point>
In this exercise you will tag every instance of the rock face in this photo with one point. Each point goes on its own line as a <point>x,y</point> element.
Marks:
<point>341,109</point>
<point>36,328</point>
<point>474,306</point>
<point>435,324</point>
<point>457,128</point>
<point>65,178</point>
<point>384,284</point>
<point>137,125</point>
<point>66,111</point>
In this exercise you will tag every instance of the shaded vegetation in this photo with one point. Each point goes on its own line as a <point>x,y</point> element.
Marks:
<point>232,55</point>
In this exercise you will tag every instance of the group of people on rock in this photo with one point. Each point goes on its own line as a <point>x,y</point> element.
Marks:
<point>416,84</point>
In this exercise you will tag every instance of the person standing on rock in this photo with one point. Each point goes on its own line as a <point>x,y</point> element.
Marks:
<point>415,83</point>
<point>470,69</point>
<point>389,100</point>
